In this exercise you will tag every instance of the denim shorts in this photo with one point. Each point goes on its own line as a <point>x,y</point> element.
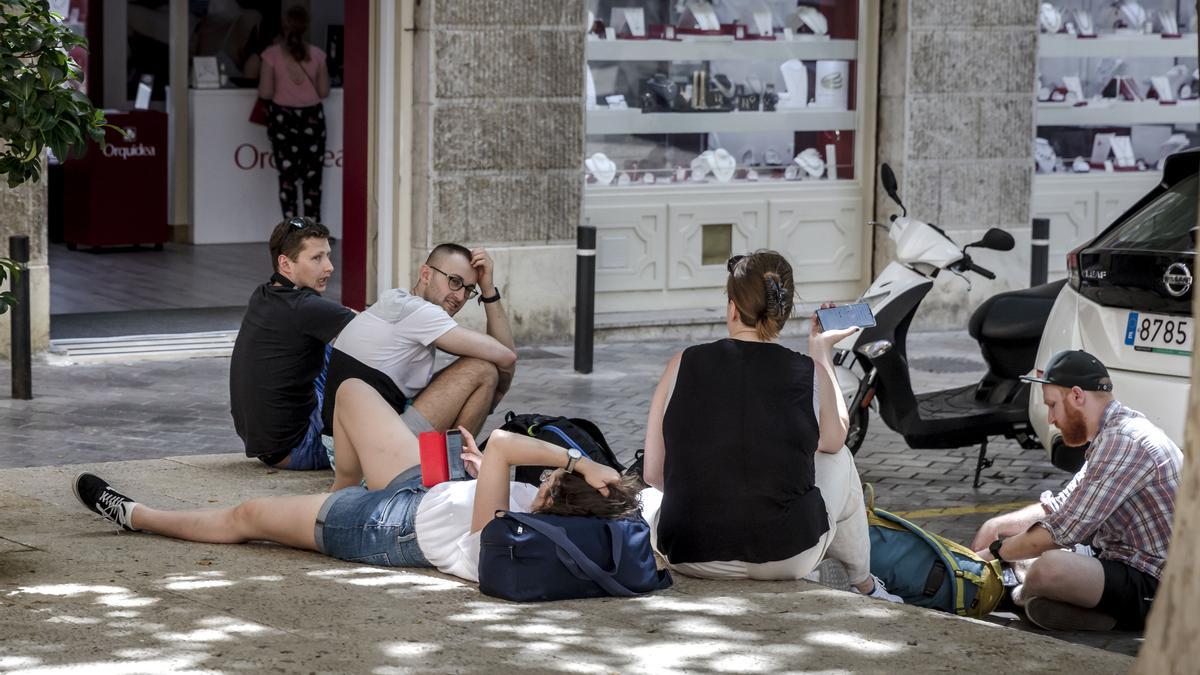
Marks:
<point>374,527</point>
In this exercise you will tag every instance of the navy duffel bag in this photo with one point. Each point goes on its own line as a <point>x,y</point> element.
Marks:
<point>530,557</point>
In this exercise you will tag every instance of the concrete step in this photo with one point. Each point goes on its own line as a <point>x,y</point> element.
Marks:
<point>131,347</point>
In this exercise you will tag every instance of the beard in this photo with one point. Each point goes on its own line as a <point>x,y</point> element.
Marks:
<point>1073,426</point>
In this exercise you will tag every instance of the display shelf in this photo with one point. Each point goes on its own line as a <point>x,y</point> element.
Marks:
<point>723,50</point>
<point>1118,113</point>
<point>1095,177</point>
<point>667,187</point>
<point>633,121</point>
<point>1115,44</point>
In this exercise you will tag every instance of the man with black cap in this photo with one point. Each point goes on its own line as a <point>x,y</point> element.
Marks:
<point>1122,501</point>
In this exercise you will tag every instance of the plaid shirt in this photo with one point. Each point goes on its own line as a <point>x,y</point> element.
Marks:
<point>1124,493</point>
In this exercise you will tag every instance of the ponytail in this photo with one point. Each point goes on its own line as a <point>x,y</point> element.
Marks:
<point>762,289</point>
<point>295,32</point>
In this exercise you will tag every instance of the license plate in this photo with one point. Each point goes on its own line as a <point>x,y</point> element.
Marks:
<point>1159,333</point>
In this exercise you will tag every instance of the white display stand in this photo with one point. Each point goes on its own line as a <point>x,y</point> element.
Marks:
<point>235,187</point>
<point>1079,206</point>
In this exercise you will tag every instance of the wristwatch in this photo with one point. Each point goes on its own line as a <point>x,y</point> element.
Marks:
<point>994,549</point>
<point>573,456</point>
<point>492,299</point>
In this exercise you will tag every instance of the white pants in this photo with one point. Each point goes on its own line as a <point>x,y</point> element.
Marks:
<point>847,540</point>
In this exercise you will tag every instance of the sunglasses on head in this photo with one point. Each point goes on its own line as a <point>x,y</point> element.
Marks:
<point>297,224</point>
<point>732,262</point>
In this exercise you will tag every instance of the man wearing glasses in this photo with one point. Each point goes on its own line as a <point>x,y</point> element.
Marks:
<point>277,373</point>
<point>391,346</point>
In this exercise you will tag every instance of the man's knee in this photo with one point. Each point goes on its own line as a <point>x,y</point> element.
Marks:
<point>482,373</point>
<point>1049,571</point>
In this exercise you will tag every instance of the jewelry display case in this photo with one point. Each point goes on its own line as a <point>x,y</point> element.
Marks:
<point>1117,91</point>
<point>714,128</point>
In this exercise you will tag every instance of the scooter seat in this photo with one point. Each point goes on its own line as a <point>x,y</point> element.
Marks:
<point>1015,315</point>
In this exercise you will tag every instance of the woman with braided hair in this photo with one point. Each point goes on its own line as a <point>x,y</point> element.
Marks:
<point>745,451</point>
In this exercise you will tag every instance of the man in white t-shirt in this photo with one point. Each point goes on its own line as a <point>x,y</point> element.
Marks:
<point>391,346</point>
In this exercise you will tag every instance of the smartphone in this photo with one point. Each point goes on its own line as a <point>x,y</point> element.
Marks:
<point>846,316</point>
<point>454,460</point>
<point>434,467</point>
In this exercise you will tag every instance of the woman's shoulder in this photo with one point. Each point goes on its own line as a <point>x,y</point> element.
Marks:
<point>316,53</point>
<point>272,53</point>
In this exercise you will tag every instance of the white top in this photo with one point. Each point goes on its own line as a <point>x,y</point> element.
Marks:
<point>395,336</point>
<point>443,525</point>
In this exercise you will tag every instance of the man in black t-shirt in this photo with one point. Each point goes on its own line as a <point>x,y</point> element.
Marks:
<point>277,373</point>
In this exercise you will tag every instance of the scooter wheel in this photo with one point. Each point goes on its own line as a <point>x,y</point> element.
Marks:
<point>859,420</point>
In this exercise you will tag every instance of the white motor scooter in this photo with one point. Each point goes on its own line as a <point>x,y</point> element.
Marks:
<point>872,365</point>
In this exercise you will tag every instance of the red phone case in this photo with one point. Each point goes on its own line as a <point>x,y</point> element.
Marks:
<point>434,469</point>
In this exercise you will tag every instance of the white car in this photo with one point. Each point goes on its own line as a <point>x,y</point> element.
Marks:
<point>1128,302</point>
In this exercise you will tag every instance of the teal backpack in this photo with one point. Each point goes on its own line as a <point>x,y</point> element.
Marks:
<point>927,570</point>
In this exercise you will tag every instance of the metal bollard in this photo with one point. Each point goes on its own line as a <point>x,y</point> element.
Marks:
<point>585,298</point>
<point>22,359</point>
<point>1039,254</point>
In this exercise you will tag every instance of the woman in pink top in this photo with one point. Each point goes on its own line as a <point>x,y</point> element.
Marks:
<point>294,80</point>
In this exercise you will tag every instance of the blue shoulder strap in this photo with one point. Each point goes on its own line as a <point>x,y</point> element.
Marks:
<point>558,535</point>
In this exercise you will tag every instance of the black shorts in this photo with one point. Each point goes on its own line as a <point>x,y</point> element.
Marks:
<point>1127,595</point>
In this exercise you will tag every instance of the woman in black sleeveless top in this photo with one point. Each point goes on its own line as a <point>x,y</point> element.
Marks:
<point>744,447</point>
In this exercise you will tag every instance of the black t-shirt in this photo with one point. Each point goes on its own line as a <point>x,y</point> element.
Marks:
<point>739,473</point>
<point>280,350</point>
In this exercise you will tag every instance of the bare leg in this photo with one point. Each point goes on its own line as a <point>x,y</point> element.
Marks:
<point>369,438</point>
<point>1064,576</point>
<point>284,520</point>
<point>460,394</point>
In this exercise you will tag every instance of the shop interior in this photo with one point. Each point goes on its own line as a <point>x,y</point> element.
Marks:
<point>136,248</point>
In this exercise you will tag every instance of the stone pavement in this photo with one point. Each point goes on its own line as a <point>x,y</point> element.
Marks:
<point>85,414</point>
<point>78,596</point>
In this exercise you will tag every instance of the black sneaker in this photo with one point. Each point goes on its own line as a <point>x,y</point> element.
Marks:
<point>95,493</point>
<point>1055,615</point>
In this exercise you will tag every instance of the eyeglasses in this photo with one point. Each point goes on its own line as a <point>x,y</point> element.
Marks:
<point>297,224</point>
<point>546,475</point>
<point>732,262</point>
<point>457,284</point>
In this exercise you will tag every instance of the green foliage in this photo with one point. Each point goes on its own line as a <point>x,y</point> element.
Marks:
<point>39,105</point>
<point>8,268</point>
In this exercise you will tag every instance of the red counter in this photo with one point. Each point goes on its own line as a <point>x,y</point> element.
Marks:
<point>117,196</point>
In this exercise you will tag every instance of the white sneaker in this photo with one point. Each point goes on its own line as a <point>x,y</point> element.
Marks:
<point>880,592</point>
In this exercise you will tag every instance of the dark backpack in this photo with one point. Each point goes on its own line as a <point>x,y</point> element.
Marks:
<point>566,432</point>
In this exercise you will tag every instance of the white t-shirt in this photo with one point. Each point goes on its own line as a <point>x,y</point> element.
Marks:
<point>443,525</point>
<point>395,336</point>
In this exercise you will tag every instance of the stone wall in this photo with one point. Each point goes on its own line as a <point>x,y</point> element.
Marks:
<point>956,122</point>
<point>498,146</point>
<point>23,211</point>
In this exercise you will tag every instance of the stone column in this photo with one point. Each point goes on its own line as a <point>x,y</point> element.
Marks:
<point>498,147</point>
<point>23,211</point>
<point>956,122</point>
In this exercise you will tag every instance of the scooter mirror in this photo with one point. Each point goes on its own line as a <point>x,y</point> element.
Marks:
<point>876,349</point>
<point>996,240</point>
<point>888,178</point>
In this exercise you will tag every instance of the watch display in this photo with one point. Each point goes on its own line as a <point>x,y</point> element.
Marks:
<point>752,82</point>
<point>1120,70</point>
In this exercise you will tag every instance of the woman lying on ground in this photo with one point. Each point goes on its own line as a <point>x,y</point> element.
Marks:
<point>744,447</point>
<point>394,521</point>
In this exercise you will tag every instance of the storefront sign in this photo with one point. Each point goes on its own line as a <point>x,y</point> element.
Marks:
<point>235,185</point>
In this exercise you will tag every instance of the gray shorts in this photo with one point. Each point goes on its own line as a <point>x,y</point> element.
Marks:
<point>413,419</point>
